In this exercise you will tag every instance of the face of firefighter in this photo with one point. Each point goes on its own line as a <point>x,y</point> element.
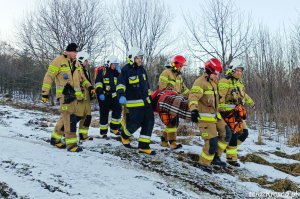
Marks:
<point>238,73</point>
<point>214,77</point>
<point>113,66</point>
<point>71,54</point>
<point>138,60</point>
<point>85,63</point>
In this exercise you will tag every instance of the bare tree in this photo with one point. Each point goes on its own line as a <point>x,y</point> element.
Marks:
<point>55,23</point>
<point>272,79</point>
<point>218,31</point>
<point>143,24</point>
<point>19,74</point>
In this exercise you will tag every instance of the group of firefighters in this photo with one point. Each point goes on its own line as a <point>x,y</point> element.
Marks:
<point>216,106</point>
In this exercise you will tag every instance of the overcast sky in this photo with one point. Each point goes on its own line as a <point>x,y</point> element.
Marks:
<point>273,13</point>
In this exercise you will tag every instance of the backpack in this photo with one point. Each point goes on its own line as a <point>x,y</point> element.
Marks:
<point>97,69</point>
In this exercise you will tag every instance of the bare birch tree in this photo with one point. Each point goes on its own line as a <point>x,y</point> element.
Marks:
<point>55,23</point>
<point>144,24</point>
<point>218,30</point>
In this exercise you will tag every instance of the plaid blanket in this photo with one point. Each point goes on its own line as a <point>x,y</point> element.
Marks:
<point>174,104</point>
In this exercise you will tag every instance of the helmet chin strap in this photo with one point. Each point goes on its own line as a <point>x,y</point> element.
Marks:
<point>175,70</point>
<point>129,61</point>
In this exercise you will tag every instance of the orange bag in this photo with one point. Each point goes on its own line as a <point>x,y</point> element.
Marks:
<point>166,118</point>
<point>235,117</point>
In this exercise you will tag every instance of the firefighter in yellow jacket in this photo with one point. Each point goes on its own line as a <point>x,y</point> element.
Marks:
<point>67,74</point>
<point>203,103</point>
<point>170,79</point>
<point>83,111</point>
<point>232,93</point>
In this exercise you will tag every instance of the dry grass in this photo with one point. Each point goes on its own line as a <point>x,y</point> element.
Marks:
<point>193,156</point>
<point>293,169</point>
<point>259,139</point>
<point>295,156</point>
<point>188,157</point>
<point>294,139</point>
<point>49,109</point>
<point>281,185</point>
<point>254,158</point>
<point>284,185</point>
<point>261,180</point>
<point>185,141</point>
<point>185,130</point>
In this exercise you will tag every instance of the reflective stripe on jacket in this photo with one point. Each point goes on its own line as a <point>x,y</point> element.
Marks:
<point>60,67</point>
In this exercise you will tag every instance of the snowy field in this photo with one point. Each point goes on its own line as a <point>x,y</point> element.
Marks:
<point>32,168</point>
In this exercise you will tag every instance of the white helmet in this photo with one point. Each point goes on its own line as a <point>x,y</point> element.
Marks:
<point>112,60</point>
<point>134,52</point>
<point>236,64</point>
<point>82,56</point>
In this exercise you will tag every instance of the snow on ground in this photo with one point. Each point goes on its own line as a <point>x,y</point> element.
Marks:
<point>35,169</point>
<point>275,159</point>
<point>269,171</point>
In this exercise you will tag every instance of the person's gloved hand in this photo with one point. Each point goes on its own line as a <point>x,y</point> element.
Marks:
<point>45,98</point>
<point>92,91</point>
<point>195,115</point>
<point>102,97</point>
<point>122,100</point>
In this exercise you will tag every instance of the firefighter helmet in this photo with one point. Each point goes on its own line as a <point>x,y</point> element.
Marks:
<point>178,61</point>
<point>82,56</point>
<point>112,60</point>
<point>236,64</point>
<point>213,65</point>
<point>134,52</point>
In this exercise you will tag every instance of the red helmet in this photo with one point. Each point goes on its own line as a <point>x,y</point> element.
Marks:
<point>178,61</point>
<point>213,65</point>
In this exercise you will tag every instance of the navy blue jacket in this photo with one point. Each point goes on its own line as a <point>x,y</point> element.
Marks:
<point>133,84</point>
<point>106,82</point>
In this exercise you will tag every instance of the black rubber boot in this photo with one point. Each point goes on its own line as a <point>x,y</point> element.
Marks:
<point>75,148</point>
<point>234,163</point>
<point>174,145</point>
<point>217,161</point>
<point>207,169</point>
<point>57,143</point>
<point>147,151</point>
<point>83,138</point>
<point>115,132</point>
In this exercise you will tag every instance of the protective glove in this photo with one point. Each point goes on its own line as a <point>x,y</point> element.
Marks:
<point>92,91</point>
<point>69,94</point>
<point>45,98</point>
<point>195,115</point>
<point>102,97</point>
<point>122,100</point>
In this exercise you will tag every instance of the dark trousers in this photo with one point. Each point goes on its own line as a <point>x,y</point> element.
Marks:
<point>105,106</point>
